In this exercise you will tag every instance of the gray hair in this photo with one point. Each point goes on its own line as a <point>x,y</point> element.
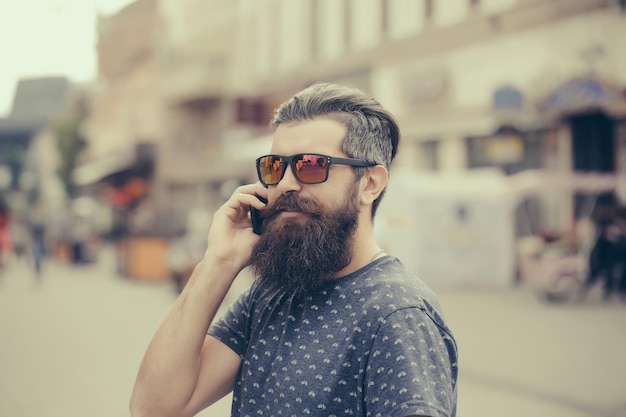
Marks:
<point>372,132</point>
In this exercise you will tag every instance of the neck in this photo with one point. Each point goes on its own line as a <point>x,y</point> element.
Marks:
<point>364,250</point>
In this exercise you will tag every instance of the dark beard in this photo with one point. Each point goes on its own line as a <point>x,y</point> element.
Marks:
<point>297,255</point>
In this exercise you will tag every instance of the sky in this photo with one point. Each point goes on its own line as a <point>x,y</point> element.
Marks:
<point>48,38</point>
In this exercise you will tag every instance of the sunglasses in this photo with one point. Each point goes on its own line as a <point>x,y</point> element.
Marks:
<point>308,168</point>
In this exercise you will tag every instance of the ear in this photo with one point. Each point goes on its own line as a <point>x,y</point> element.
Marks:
<point>373,183</point>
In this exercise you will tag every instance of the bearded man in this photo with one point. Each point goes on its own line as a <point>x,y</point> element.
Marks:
<point>331,326</point>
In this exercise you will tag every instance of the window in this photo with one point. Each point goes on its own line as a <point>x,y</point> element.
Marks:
<point>450,12</point>
<point>429,155</point>
<point>509,149</point>
<point>405,18</point>
<point>366,24</point>
<point>496,6</point>
<point>331,28</point>
<point>295,31</point>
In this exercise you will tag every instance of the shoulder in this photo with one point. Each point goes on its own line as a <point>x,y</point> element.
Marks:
<point>390,282</point>
<point>387,287</point>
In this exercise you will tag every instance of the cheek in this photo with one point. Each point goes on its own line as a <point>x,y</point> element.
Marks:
<point>352,198</point>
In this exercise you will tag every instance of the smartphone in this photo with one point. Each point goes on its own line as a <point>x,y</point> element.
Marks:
<point>257,220</point>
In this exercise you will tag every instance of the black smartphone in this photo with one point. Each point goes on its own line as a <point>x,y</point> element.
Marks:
<point>257,220</point>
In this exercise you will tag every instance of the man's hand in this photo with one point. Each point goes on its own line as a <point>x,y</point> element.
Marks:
<point>230,237</point>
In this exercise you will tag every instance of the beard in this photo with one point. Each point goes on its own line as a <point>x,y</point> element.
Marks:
<point>297,255</point>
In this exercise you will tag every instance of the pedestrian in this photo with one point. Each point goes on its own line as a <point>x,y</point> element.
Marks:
<point>21,237</point>
<point>331,325</point>
<point>80,234</point>
<point>620,250</point>
<point>607,258</point>
<point>6,244</point>
<point>38,233</point>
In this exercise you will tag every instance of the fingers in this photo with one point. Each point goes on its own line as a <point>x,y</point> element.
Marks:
<point>231,234</point>
<point>248,195</point>
<point>237,209</point>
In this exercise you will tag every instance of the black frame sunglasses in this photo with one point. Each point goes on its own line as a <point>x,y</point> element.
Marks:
<point>307,168</point>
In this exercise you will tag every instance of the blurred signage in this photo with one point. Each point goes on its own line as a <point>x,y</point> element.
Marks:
<point>508,98</point>
<point>579,93</point>
<point>507,148</point>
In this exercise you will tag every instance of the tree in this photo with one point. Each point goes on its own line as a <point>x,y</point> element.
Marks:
<point>15,156</point>
<point>70,143</point>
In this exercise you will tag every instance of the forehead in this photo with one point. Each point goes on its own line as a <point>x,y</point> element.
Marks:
<point>320,135</point>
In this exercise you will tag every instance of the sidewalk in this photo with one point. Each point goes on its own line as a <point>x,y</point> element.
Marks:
<point>522,357</point>
<point>72,344</point>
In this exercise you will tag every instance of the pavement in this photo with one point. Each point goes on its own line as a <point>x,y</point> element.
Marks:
<point>71,344</point>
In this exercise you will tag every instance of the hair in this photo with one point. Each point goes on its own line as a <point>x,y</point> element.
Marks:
<point>372,131</point>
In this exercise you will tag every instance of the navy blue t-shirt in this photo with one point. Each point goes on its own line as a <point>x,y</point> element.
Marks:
<point>373,343</point>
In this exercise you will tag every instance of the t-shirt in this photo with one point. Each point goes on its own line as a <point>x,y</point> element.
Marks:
<point>372,343</point>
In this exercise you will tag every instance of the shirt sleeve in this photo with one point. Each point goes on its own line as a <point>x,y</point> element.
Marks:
<point>412,367</point>
<point>232,328</point>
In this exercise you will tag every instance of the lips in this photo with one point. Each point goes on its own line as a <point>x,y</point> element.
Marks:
<point>289,213</point>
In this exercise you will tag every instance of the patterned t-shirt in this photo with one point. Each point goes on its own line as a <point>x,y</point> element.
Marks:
<point>373,343</point>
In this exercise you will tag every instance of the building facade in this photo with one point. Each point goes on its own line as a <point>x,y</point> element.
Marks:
<point>507,84</point>
<point>477,85</point>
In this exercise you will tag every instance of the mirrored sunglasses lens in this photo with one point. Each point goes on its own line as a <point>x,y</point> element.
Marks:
<point>311,168</point>
<point>270,169</point>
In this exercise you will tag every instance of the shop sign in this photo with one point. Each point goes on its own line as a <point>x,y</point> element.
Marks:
<point>505,149</point>
<point>579,93</point>
<point>508,98</point>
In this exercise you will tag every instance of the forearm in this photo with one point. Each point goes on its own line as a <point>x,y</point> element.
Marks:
<point>169,371</point>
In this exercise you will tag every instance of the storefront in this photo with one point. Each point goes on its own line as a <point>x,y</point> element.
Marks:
<point>121,184</point>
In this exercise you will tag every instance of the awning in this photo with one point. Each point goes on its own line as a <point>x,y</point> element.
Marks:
<point>582,93</point>
<point>100,168</point>
<point>127,193</point>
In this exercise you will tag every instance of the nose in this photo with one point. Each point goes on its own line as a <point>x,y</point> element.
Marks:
<point>288,182</point>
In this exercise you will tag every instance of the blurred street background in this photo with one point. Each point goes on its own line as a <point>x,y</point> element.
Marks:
<point>125,124</point>
<point>72,342</point>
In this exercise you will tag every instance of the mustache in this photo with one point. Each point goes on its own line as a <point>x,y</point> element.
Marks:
<point>291,202</point>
